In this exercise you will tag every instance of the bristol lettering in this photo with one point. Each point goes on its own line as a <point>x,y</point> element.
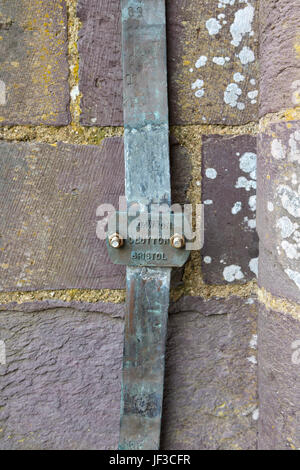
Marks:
<point>148,256</point>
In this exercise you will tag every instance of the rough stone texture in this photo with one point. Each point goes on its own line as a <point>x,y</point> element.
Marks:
<point>33,60</point>
<point>188,40</point>
<point>279,381</point>
<point>48,200</point>
<point>279,209</point>
<point>210,384</point>
<point>229,195</point>
<point>279,55</point>
<point>100,69</point>
<point>229,43</point>
<point>112,309</point>
<point>61,385</point>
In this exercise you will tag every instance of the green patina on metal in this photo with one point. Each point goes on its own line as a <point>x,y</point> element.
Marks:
<point>146,142</point>
<point>145,249</point>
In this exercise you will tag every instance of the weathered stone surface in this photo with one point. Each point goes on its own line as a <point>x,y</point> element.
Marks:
<point>33,60</point>
<point>100,69</point>
<point>203,46</point>
<point>229,195</point>
<point>109,308</point>
<point>210,385</point>
<point>279,55</point>
<point>61,385</point>
<point>213,66</point>
<point>279,381</point>
<point>48,199</point>
<point>279,209</point>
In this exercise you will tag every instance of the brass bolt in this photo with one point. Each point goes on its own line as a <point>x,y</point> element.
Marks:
<point>116,241</point>
<point>177,241</point>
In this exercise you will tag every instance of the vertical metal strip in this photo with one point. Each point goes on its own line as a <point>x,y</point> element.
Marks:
<point>146,144</point>
<point>144,357</point>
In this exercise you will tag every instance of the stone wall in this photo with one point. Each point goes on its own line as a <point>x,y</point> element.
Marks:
<point>62,303</point>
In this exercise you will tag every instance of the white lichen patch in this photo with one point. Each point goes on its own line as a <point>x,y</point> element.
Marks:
<point>74,93</point>
<point>207,259</point>
<point>291,249</point>
<point>252,94</point>
<point>213,26</point>
<point>2,93</point>
<point>248,162</point>
<point>290,200</point>
<point>211,173</point>
<point>236,208</point>
<point>198,84</point>
<point>201,62</point>
<point>2,353</point>
<point>270,206</point>
<point>200,93</point>
<point>208,202</point>
<point>219,60</point>
<point>233,273</point>
<point>242,182</point>
<point>238,77</point>
<point>286,226</point>
<point>294,143</point>
<point>294,179</point>
<point>225,3</point>
<point>250,222</point>
<point>252,359</point>
<point>252,203</point>
<point>232,94</point>
<point>278,150</point>
<point>294,276</point>
<point>253,342</point>
<point>242,24</point>
<point>253,265</point>
<point>246,55</point>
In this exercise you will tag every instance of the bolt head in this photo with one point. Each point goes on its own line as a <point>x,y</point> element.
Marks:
<point>177,241</point>
<point>115,240</point>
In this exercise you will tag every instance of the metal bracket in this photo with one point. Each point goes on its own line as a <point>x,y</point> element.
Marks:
<point>143,251</point>
<point>147,180</point>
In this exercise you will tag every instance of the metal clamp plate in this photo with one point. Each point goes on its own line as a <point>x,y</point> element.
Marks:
<point>146,251</point>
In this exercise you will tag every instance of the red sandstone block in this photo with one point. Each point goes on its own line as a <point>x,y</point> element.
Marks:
<point>61,385</point>
<point>230,252</point>
<point>279,380</point>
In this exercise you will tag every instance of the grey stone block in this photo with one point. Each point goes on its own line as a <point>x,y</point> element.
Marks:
<point>216,46</point>
<point>34,67</point>
<point>279,55</point>
<point>279,209</point>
